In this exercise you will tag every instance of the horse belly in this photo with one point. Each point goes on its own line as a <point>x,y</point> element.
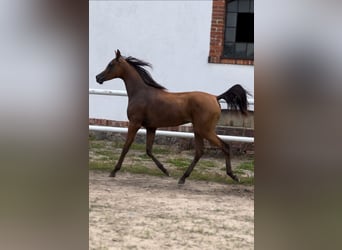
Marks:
<point>167,116</point>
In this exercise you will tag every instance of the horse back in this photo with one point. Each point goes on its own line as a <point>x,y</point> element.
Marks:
<point>190,106</point>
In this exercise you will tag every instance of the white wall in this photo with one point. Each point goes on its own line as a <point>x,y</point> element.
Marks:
<point>172,35</point>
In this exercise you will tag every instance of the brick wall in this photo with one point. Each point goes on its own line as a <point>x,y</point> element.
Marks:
<point>217,31</point>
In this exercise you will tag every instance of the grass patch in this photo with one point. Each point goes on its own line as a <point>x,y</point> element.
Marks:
<point>179,162</point>
<point>95,165</point>
<point>107,153</point>
<point>144,157</point>
<point>249,165</point>
<point>247,181</point>
<point>138,147</point>
<point>210,177</point>
<point>141,169</point>
<point>103,158</point>
<point>246,172</point>
<point>160,150</point>
<point>103,155</point>
<point>207,164</point>
<point>96,145</point>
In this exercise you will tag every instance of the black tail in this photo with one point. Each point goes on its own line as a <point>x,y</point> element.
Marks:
<point>236,98</point>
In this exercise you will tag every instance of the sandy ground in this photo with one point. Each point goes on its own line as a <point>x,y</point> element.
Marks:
<point>134,211</point>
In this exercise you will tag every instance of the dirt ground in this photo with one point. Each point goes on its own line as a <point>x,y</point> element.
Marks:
<point>136,211</point>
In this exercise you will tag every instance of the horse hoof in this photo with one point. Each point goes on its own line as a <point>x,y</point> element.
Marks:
<point>112,174</point>
<point>181,182</point>
<point>234,177</point>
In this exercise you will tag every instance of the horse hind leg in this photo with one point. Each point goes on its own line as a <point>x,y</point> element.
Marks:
<point>199,146</point>
<point>149,143</point>
<point>216,141</point>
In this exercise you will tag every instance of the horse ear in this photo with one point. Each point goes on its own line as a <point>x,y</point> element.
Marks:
<point>118,54</point>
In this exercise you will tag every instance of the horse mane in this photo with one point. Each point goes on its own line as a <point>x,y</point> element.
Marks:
<point>144,74</point>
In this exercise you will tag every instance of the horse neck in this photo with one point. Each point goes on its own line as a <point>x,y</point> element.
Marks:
<point>133,82</point>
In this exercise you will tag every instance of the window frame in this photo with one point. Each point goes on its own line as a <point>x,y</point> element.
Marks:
<point>217,36</point>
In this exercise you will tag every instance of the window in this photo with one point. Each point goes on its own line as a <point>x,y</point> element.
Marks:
<point>232,32</point>
<point>239,31</point>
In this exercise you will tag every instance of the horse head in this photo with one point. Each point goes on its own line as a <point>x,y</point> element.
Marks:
<point>113,70</point>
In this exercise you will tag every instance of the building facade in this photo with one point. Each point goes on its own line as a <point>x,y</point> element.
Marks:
<point>192,45</point>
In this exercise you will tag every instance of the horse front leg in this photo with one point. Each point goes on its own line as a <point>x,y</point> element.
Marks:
<point>149,143</point>
<point>199,150</point>
<point>132,131</point>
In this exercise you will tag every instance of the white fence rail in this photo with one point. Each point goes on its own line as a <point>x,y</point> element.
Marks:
<point>158,132</point>
<point>168,133</point>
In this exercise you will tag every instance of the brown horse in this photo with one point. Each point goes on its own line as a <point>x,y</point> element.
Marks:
<point>151,106</point>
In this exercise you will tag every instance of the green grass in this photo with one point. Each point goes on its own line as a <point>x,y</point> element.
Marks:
<point>107,153</point>
<point>210,177</point>
<point>141,169</point>
<point>182,163</point>
<point>104,155</point>
<point>242,169</point>
<point>247,181</point>
<point>96,165</point>
<point>249,165</point>
<point>207,164</point>
<point>144,157</point>
<point>95,144</point>
<point>136,146</point>
<point>245,167</point>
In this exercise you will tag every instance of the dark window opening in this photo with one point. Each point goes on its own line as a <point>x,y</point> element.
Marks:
<point>239,30</point>
<point>245,28</point>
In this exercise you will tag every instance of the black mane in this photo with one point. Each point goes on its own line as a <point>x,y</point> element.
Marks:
<point>144,74</point>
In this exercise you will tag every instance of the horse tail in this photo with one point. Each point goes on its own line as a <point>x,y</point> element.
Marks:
<point>236,98</point>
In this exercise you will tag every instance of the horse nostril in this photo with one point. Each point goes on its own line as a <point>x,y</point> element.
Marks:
<point>98,79</point>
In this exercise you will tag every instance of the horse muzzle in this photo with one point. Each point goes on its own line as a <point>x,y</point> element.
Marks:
<point>99,79</point>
